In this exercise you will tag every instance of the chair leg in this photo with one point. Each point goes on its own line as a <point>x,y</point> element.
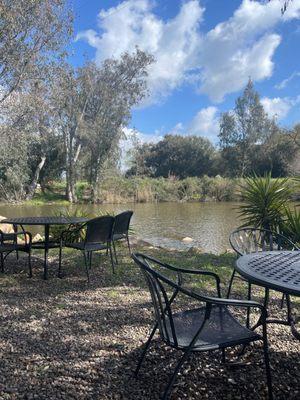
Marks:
<point>2,262</point>
<point>90,259</point>
<point>248,308</point>
<point>267,362</point>
<point>230,283</point>
<point>282,301</point>
<point>266,300</point>
<point>128,243</point>
<point>29,264</point>
<point>111,258</point>
<point>289,309</point>
<point>115,253</point>
<point>85,255</point>
<point>146,347</point>
<point>173,377</point>
<point>59,261</point>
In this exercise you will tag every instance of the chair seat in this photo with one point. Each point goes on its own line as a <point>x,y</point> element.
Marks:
<point>87,246</point>
<point>119,236</point>
<point>220,331</point>
<point>7,247</point>
<point>41,245</point>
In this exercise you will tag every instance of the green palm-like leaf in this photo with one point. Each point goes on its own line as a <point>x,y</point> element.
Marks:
<point>291,225</point>
<point>264,201</point>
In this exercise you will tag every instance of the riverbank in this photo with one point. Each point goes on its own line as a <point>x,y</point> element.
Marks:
<point>64,339</point>
<point>119,189</point>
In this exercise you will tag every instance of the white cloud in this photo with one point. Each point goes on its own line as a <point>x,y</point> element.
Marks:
<point>205,123</point>
<point>218,62</point>
<point>279,107</point>
<point>283,84</point>
<point>173,43</point>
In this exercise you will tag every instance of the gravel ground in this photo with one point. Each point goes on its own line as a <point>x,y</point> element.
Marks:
<point>65,339</point>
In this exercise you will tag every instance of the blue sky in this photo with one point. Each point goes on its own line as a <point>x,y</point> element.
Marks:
<point>205,51</point>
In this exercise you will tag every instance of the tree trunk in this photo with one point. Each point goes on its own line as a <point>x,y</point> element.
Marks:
<point>32,187</point>
<point>95,196</point>
<point>70,188</point>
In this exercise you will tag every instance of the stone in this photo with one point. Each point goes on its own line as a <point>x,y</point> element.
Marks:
<point>187,239</point>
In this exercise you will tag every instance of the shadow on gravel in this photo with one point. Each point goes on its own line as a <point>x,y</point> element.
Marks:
<point>64,339</point>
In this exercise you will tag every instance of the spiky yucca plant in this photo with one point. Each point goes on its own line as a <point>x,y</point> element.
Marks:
<point>291,225</point>
<point>264,201</point>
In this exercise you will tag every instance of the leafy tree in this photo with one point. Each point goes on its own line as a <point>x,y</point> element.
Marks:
<point>181,156</point>
<point>243,128</point>
<point>138,155</point>
<point>92,105</point>
<point>32,33</point>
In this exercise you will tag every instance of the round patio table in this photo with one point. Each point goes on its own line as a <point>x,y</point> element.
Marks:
<point>277,270</point>
<point>46,222</point>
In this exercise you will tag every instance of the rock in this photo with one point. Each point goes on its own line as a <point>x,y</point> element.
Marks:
<point>187,239</point>
<point>6,228</point>
<point>37,238</point>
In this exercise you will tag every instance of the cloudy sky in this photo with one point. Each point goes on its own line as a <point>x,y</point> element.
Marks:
<point>205,51</point>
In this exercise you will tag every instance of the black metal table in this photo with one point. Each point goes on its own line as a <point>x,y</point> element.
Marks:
<point>277,270</point>
<point>46,222</point>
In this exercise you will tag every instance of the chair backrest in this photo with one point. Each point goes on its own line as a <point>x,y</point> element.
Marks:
<point>122,222</point>
<point>252,240</point>
<point>160,288</point>
<point>99,230</point>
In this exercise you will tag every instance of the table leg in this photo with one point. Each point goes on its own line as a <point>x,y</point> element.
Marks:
<point>46,251</point>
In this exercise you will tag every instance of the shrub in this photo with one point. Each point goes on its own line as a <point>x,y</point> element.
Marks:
<point>264,200</point>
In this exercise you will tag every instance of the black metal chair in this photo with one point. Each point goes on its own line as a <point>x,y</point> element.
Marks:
<point>121,229</point>
<point>206,328</point>
<point>9,243</point>
<point>94,235</point>
<point>252,240</point>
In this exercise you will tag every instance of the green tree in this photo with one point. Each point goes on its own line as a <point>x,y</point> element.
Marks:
<point>243,128</point>
<point>181,156</point>
<point>92,105</point>
<point>32,34</point>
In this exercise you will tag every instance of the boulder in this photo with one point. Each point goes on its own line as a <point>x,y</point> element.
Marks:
<point>187,240</point>
<point>6,228</point>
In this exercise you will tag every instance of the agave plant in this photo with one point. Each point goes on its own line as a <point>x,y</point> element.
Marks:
<point>264,201</point>
<point>290,226</point>
<point>80,212</point>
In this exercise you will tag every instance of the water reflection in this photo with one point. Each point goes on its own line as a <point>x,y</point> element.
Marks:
<point>162,224</point>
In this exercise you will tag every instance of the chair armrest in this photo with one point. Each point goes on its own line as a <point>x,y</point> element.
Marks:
<point>26,235</point>
<point>226,302</point>
<point>205,273</point>
<point>180,271</point>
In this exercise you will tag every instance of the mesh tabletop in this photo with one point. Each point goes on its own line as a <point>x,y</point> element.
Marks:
<point>45,220</point>
<point>279,270</point>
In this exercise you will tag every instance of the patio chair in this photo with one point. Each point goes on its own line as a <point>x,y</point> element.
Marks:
<point>94,235</point>
<point>208,327</point>
<point>252,240</point>
<point>9,243</point>
<point>121,228</point>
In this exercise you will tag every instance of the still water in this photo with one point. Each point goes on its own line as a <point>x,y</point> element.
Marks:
<point>161,224</point>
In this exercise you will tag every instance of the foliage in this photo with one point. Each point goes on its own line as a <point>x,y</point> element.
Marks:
<point>176,155</point>
<point>93,104</point>
<point>290,226</point>
<point>32,35</point>
<point>264,200</point>
<point>56,230</point>
<point>243,128</point>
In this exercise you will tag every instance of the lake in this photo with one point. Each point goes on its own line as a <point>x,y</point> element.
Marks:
<point>161,224</point>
